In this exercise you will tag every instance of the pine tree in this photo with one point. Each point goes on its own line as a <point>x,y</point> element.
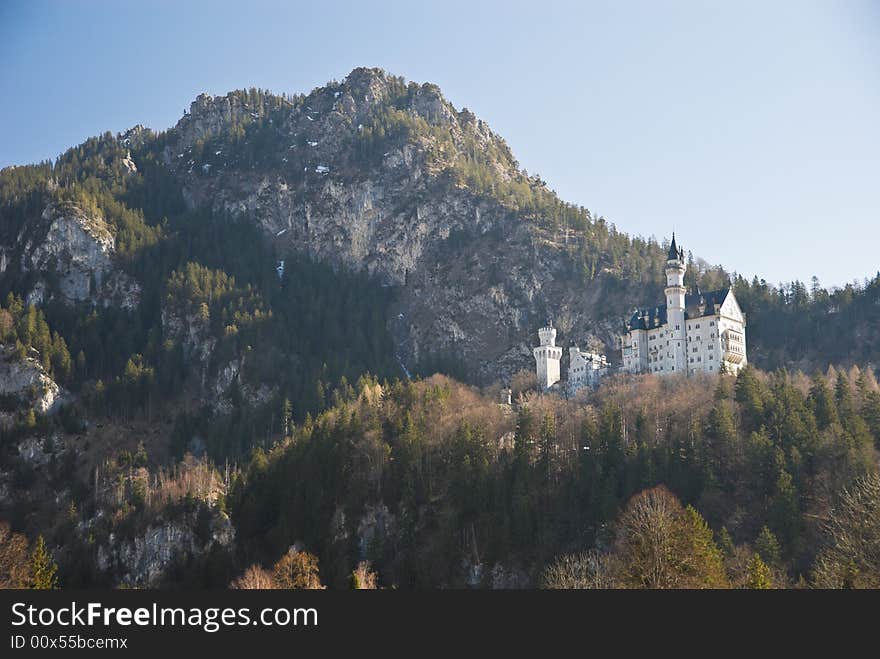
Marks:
<point>750,396</point>
<point>725,542</point>
<point>767,547</point>
<point>823,403</point>
<point>845,406</point>
<point>43,568</point>
<point>785,512</point>
<point>760,577</point>
<point>703,562</point>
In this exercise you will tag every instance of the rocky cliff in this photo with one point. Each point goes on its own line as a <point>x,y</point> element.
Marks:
<point>474,277</point>
<point>24,384</point>
<point>68,252</point>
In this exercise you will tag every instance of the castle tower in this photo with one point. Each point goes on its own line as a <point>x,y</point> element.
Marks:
<point>547,357</point>
<point>675,305</point>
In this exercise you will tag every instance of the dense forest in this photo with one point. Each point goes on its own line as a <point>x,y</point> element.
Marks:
<point>254,387</point>
<point>756,480</point>
<point>763,463</point>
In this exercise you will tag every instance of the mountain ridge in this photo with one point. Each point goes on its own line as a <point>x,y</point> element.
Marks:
<point>374,175</point>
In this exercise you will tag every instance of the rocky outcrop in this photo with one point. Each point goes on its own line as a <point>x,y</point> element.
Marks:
<point>192,333</point>
<point>68,253</point>
<point>376,526</point>
<point>144,560</point>
<point>24,384</point>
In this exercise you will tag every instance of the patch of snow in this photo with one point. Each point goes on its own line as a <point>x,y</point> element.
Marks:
<point>217,153</point>
<point>283,231</point>
<point>206,168</point>
<point>312,143</point>
<point>336,94</point>
<point>279,267</point>
<point>309,118</point>
<point>322,169</point>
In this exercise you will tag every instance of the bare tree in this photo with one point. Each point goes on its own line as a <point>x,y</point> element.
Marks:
<point>363,578</point>
<point>587,570</point>
<point>853,558</point>
<point>255,578</point>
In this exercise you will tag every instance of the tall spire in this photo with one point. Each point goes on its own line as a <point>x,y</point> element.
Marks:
<point>674,254</point>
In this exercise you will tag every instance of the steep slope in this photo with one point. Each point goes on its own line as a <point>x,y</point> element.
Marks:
<point>74,249</point>
<point>378,176</point>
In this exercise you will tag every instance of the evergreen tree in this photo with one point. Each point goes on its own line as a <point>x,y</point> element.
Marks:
<point>823,403</point>
<point>760,577</point>
<point>767,547</point>
<point>43,568</point>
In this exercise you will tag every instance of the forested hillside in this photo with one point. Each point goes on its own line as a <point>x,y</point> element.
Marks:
<point>799,327</point>
<point>437,486</point>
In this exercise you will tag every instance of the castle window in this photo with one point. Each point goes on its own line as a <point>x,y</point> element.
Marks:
<point>677,327</point>
<point>712,324</point>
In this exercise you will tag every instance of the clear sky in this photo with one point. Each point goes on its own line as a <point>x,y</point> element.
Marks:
<point>751,128</point>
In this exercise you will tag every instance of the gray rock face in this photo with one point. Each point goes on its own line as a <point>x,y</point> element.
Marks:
<point>74,250</point>
<point>27,382</point>
<point>143,562</point>
<point>474,279</point>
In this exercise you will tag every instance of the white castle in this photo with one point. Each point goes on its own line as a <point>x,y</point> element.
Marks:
<point>692,333</point>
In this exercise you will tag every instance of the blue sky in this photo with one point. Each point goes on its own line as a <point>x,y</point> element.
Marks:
<point>751,128</point>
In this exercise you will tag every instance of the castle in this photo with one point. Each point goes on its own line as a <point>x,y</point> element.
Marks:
<point>585,369</point>
<point>692,333</point>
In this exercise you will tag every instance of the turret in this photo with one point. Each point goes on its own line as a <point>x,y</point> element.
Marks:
<point>675,265</point>
<point>547,335</point>
<point>675,306</point>
<point>547,357</point>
